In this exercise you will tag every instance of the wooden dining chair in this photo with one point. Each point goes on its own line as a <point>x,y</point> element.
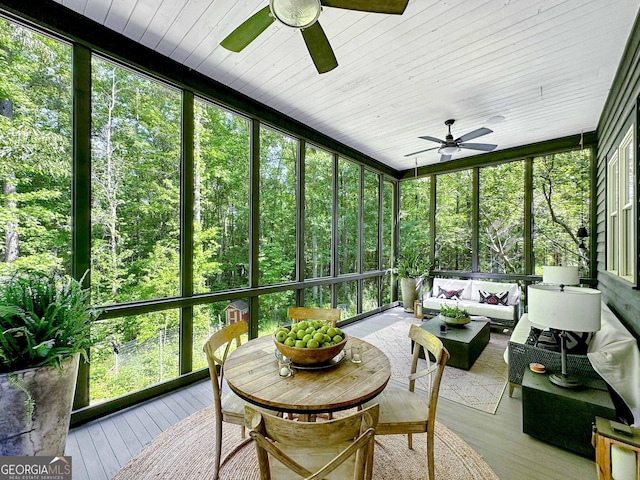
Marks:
<point>403,410</point>
<point>297,314</point>
<point>229,408</point>
<point>340,449</point>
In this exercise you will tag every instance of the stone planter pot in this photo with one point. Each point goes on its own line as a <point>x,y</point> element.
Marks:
<point>455,322</point>
<point>51,392</point>
<point>408,292</point>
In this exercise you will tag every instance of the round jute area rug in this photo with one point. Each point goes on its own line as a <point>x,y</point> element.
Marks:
<point>185,452</point>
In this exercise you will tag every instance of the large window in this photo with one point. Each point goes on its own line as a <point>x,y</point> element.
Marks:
<point>318,202</point>
<point>501,222</point>
<point>209,318</point>
<point>347,298</point>
<point>348,194</point>
<point>453,221</point>
<point>35,151</point>
<point>371,217</point>
<point>138,351</point>
<point>135,186</point>
<point>621,210</point>
<point>221,190</point>
<point>387,223</point>
<point>415,214</point>
<point>273,311</point>
<point>560,206</point>
<point>278,174</point>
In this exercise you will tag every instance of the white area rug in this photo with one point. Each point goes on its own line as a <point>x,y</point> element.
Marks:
<point>481,387</point>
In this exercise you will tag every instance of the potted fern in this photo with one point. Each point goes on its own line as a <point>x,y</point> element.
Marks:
<point>454,315</point>
<point>45,322</point>
<point>411,270</point>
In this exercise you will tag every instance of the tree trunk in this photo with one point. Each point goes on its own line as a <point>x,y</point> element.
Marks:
<point>111,192</point>
<point>11,240</point>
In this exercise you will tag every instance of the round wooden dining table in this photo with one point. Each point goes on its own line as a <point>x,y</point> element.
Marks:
<point>251,371</point>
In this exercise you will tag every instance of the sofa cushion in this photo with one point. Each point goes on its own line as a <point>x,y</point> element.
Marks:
<point>500,298</point>
<point>481,309</point>
<point>495,287</point>
<point>450,294</point>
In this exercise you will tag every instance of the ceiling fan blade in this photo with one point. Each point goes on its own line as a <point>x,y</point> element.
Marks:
<point>394,7</point>
<point>485,147</point>
<point>420,151</point>
<point>432,139</point>
<point>475,134</point>
<point>445,158</point>
<point>319,48</point>
<point>248,31</point>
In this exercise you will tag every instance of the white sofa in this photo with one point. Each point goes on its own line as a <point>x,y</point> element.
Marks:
<point>469,299</point>
<point>613,354</point>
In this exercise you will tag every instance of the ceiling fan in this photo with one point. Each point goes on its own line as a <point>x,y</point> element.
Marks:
<point>449,146</point>
<point>303,14</point>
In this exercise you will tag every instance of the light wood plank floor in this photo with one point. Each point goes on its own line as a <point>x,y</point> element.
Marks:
<point>100,448</point>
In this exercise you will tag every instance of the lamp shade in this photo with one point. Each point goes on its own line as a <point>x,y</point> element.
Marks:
<point>560,275</point>
<point>574,308</point>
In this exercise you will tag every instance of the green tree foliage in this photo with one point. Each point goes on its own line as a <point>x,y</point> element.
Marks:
<point>501,222</point>
<point>135,184</point>
<point>415,210</point>
<point>560,206</point>
<point>453,221</point>
<point>221,203</point>
<point>35,146</point>
<point>278,157</point>
<point>387,224</point>
<point>371,217</point>
<point>348,209</point>
<point>318,213</point>
<point>561,203</point>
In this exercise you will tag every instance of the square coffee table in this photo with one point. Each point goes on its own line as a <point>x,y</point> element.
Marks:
<point>464,343</point>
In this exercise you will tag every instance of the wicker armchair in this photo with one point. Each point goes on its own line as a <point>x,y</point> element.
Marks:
<point>521,355</point>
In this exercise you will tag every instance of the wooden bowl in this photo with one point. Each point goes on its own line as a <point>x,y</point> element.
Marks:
<point>310,356</point>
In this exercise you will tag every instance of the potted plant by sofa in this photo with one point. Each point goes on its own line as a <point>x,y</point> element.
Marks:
<point>411,269</point>
<point>45,322</point>
<point>454,315</point>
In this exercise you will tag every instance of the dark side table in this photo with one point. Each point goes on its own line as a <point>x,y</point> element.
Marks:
<point>564,416</point>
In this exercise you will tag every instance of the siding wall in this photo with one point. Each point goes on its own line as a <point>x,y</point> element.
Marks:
<point>619,113</point>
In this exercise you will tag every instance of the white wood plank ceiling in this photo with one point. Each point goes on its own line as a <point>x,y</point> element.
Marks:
<point>546,66</point>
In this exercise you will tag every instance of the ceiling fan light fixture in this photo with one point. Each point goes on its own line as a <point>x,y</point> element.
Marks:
<point>296,13</point>
<point>449,150</point>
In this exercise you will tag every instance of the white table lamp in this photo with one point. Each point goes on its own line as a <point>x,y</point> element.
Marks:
<point>565,309</point>
<point>553,275</point>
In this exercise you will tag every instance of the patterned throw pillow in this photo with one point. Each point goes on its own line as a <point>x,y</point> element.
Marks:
<point>549,340</point>
<point>577,342</point>
<point>501,298</point>
<point>449,294</point>
<point>532,339</point>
